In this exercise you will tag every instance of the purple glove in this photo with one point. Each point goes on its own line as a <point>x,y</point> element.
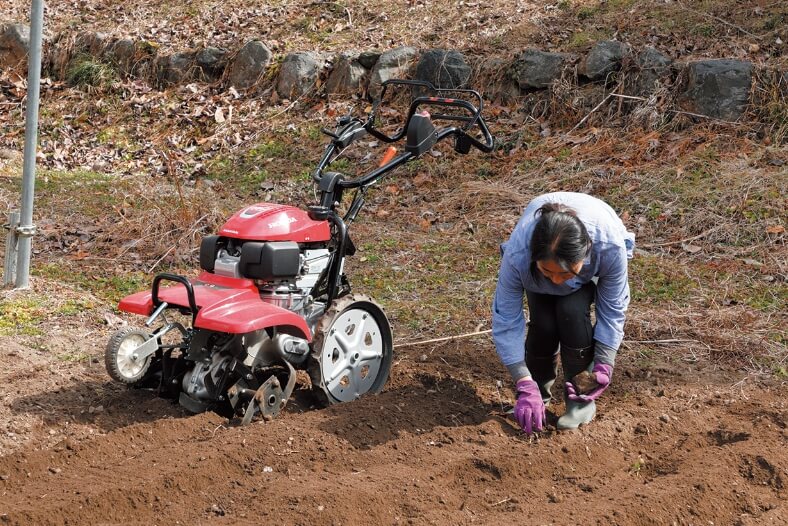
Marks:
<point>529,409</point>
<point>602,373</point>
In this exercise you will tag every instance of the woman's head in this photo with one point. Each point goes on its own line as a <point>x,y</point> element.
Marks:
<point>559,244</point>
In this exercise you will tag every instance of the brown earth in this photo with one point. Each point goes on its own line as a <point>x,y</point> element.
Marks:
<point>677,441</point>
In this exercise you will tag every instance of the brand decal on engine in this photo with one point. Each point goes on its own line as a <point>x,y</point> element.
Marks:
<point>285,221</point>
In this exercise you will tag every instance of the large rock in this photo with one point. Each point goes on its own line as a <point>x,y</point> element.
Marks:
<point>604,58</point>
<point>298,74</point>
<point>347,76</point>
<point>535,69</point>
<point>176,68</point>
<point>368,59</point>
<point>391,65</point>
<point>249,65</point>
<point>122,53</point>
<point>91,43</point>
<point>210,62</point>
<point>14,43</point>
<point>67,49</point>
<point>443,69</point>
<point>719,88</point>
<point>652,67</point>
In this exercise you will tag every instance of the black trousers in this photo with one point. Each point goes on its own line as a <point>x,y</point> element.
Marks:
<point>564,320</point>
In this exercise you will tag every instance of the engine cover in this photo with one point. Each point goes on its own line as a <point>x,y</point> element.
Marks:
<point>273,222</point>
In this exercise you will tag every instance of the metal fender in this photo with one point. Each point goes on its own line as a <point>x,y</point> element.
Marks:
<point>206,293</point>
<point>246,313</point>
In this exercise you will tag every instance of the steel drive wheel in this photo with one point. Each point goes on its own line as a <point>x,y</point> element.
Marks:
<point>120,357</point>
<point>352,350</point>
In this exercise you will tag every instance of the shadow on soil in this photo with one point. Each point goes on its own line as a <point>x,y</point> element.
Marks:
<point>101,404</point>
<point>418,407</point>
<point>415,408</point>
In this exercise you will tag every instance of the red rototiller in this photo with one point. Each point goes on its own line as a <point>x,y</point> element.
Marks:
<point>273,297</point>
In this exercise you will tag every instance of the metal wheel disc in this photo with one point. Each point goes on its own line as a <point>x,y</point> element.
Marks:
<point>355,351</point>
<point>119,357</point>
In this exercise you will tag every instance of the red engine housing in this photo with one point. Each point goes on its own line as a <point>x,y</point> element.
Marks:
<point>273,222</point>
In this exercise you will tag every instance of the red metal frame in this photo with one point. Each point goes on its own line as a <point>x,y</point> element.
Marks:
<point>226,305</point>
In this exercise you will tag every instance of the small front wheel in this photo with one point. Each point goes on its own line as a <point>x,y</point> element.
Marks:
<point>121,359</point>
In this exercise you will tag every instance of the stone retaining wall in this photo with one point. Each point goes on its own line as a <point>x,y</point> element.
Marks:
<point>718,88</point>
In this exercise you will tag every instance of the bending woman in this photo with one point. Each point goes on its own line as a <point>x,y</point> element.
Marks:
<point>567,251</point>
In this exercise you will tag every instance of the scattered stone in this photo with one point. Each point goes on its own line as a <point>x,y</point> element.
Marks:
<point>535,69</point>
<point>268,469</point>
<point>14,43</point>
<point>554,498</point>
<point>4,477</point>
<point>391,64</point>
<point>423,358</point>
<point>665,418</point>
<point>217,510</point>
<point>347,76</point>
<point>604,58</point>
<point>211,62</point>
<point>55,471</point>
<point>443,69</point>
<point>719,88</point>
<point>298,74</point>
<point>249,65</point>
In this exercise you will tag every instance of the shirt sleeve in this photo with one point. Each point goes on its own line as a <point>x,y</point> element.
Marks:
<point>612,297</point>
<point>508,321</point>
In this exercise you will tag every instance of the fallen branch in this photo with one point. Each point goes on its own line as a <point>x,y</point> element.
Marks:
<point>591,112</point>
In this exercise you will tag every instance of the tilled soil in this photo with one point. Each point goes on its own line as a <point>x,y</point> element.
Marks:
<point>674,443</point>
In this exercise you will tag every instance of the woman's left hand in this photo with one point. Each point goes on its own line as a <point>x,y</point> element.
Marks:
<point>603,374</point>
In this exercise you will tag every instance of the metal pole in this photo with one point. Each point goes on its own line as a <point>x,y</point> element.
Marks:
<point>10,249</point>
<point>26,228</point>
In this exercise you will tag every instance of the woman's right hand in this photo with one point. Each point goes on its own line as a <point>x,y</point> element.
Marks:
<point>529,410</point>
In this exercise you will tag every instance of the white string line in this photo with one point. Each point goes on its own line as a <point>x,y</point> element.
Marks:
<point>478,333</point>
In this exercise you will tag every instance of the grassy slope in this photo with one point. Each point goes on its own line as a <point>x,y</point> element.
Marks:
<point>132,179</point>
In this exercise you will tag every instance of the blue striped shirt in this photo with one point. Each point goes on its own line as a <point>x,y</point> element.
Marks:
<point>611,247</point>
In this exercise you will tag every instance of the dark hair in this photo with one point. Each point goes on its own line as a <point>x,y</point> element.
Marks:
<point>558,236</point>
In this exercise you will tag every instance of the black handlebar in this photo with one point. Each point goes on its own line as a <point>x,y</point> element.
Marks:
<point>475,118</point>
<point>352,129</point>
<point>178,279</point>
